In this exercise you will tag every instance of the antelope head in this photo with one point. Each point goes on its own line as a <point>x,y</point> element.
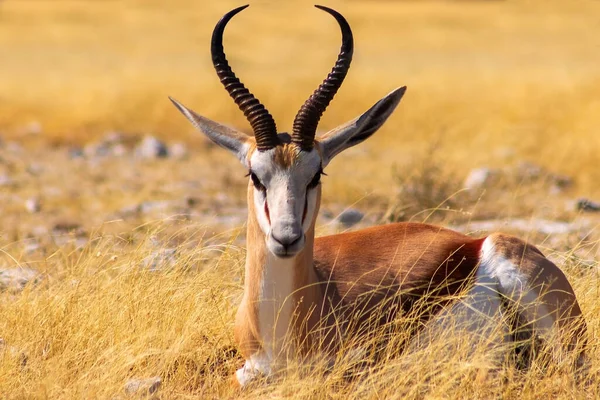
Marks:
<point>285,169</point>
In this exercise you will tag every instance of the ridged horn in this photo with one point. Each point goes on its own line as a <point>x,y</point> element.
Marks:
<point>307,119</point>
<point>263,125</point>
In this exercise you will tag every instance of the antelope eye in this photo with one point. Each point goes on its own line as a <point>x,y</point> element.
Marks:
<point>315,180</point>
<point>257,183</point>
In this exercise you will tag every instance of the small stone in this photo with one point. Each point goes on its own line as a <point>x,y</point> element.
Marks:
<point>481,177</point>
<point>587,205</point>
<point>178,151</point>
<point>160,259</point>
<point>15,279</point>
<point>143,386</point>
<point>33,205</point>
<point>350,217</point>
<point>151,148</point>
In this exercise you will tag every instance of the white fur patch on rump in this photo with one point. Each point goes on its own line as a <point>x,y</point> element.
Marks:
<point>514,285</point>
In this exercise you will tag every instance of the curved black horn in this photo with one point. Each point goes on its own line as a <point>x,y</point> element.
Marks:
<point>261,120</point>
<point>307,119</point>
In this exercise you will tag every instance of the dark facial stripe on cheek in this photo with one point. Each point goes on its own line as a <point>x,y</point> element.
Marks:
<point>305,207</point>
<point>267,212</point>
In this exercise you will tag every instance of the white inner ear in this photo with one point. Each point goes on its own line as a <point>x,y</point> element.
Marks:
<point>228,138</point>
<point>359,129</point>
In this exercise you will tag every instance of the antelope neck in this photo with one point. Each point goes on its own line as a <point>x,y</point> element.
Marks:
<point>282,291</point>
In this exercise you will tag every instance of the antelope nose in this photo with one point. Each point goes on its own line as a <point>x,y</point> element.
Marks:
<point>288,240</point>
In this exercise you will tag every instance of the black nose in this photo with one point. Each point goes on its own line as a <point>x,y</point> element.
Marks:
<point>287,241</point>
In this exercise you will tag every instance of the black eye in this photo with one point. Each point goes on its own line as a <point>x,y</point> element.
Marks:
<point>257,183</point>
<point>315,180</point>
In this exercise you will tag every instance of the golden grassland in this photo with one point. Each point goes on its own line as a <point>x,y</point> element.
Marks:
<point>480,75</point>
<point>489,83</point>
<point>98,319</point>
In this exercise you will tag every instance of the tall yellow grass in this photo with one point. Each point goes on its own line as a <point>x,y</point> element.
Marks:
<point>99,318</point>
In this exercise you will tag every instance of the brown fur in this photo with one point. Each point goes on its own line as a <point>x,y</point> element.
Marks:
<point>286,155</point>
<point>374,273</point>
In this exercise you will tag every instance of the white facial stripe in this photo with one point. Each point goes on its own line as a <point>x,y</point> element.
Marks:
<point>260,201</point>
<point>291,203</point>
<point>311,206</point>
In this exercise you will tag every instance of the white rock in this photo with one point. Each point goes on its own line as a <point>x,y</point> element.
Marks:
<point>33,205</point>
<point>143,386</point>
<point>480,178</point>
<point>15,279</point>
<point>150,148</point>
<point>178,151</point>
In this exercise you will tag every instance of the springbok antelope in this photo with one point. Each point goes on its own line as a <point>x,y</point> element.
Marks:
<point>295,284</point>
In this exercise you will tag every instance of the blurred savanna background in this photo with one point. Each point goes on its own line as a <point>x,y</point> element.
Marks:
<point>122,229</point>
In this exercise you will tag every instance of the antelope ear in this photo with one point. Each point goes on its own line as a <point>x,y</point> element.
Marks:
<point>355,131</point>
<point>237,142</point>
